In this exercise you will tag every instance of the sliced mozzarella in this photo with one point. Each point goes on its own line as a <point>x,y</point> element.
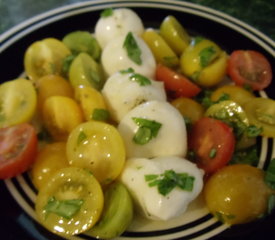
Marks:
<point>120,22</point>
<point>122,93</point>
<point>115,58</point>
<point>171,138</point>
<point>153,204</point>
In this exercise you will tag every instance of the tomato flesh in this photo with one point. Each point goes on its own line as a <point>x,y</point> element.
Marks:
<point>247,67</point>
<point>18,147</point>
<point>213,143</point>
<point>175,83</point>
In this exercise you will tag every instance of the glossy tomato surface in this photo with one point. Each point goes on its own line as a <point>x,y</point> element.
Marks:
<point>17,223</point>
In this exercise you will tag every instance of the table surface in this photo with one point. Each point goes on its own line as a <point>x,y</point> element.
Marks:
<point>257,13</point>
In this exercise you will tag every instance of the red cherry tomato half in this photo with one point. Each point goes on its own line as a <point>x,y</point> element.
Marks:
<point>18,147</point>
<point>212,142</point>
<point>175,83</point>
<point>248,67</point>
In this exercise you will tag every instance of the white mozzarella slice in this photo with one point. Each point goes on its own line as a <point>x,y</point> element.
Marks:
<point>122,93</point>
<point>148,199</point>
<point>171,138</point>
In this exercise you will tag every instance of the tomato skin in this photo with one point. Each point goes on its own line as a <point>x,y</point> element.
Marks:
<point>49,159</point>
<point>237,194</point>
<point>189,108</point>
<point>248,67</point>
<point>18,148</point>
<point>60,116</point>
<point>207,134</point>
<point>175,83</point>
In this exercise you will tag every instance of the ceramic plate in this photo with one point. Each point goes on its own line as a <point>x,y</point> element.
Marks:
<point>18,195</point>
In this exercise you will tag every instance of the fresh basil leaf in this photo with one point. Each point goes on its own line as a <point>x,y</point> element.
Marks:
<point>143,135</point>
<point>213,153</point>
<point>246,156</point>
<point>270,174</point>
<point>271,204</point>
<point>128,70</point>
<point>106,13</point>
<point>132,48</point>
<point>147,130</point>
<point>169,180</point>
<point>140,79</point>
<point>197,40</point>
<point>63,208</point>
<point>81,137</point>
<point>100,114</point>
<point>206,56</point>
<point>253,131</point>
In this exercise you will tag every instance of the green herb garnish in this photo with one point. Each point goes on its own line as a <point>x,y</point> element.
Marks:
<point>197,40</point>
<point>147,130</point>
<point>213,153</point>
<point>140,79</point>
<point>206,56</point>
<point>67,63</point>
<point>270,174</point>
<point>128,70</point>
<point>271,204</point>
<point>106,13</point>
<point>169,180</point>
<point>132,48</point>
<point>63,208</point>
<point>246,156</point>
<point>81,137</point>
<point>253,131</point>
<point>100,114</point>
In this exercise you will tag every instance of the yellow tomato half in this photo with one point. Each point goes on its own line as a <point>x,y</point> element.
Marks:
<point>98,147</point>
<point>52,85</point>
<point>204,61</point>
<point>45,57</point>
<point>91,101</point>
<point>60,116</point>
<point>161,50</point>
<point>50,158</point>
<point>17,102</point>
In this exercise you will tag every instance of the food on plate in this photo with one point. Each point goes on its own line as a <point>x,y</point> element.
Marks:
<point>71,202</point>
<point>18,148</point>
<point>153,129</point>
<point>249,68</point>
<point>162,186</point>
<point>128,51</point>
<point>97,146</point>
<point>133,119</point>
<point>17,102</point>
<point>237,194</point>
<point>117,22</point>
<point>127,89</point>
<point>117,213</point>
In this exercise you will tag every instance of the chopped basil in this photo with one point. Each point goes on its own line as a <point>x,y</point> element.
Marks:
<point>222,217</point>
<point>246,156</point>
<point>106,13</point>
<point>146,131</point>
<point>270,174</point>
<point>213,153</point>
<point>271,204</point>
<point>82,136</point>
<point>128,70</point>
<point>253,131</point>
<point>132,48</point>
<point>169,180</point>
<point>197,40</point>
<point>63,208</point>
<point>140,79</point>
<point>67,63</point>
<point>206,56</point>
<point>100,114</point>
